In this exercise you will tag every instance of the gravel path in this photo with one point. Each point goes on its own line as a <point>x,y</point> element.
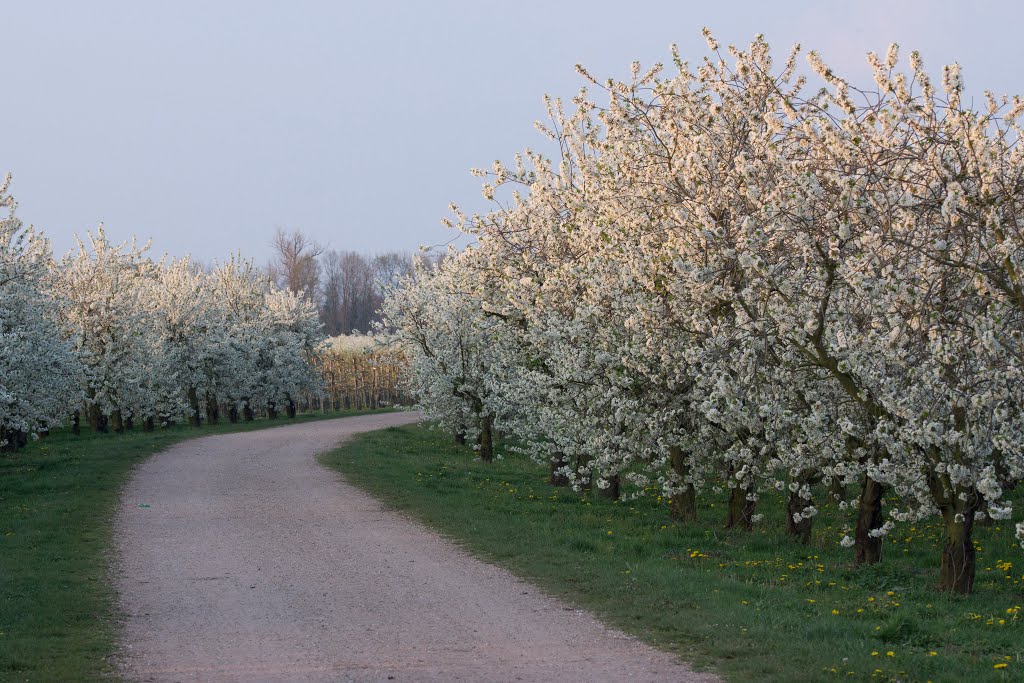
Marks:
<point>239,558</point>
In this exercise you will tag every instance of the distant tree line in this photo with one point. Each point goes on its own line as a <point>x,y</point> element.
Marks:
<point>110,338</point>
<point>346,287</point>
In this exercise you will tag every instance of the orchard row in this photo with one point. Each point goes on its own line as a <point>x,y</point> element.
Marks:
<point>727,279</point>
<point>109,337</point>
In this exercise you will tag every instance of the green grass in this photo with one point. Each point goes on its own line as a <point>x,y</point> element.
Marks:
<point>753,606</point>
<point>57,499</point>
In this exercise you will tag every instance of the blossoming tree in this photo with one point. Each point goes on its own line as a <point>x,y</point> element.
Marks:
<point>727,279</point>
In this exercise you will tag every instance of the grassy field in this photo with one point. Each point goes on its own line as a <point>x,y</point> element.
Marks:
<point>57,498</point>
<point>753,606</point>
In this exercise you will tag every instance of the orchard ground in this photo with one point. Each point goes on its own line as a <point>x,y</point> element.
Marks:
<point>57,498</point>
<point>752,605</point>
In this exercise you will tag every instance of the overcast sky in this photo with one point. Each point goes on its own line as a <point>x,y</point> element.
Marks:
<point>206,125</point>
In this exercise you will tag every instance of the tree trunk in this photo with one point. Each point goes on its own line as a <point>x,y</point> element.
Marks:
<point>683,505</point>
<point>233,414</point>
<point>272,411</point>
<point>802,528</point>
<point>556,478</point>
<point>584,478</point>
<point>76,422</point>
<point>116,423</point>
<point>247,413</point>
<point>194,418</point>
<point>15,439</point>
<point>956,571</point>
<point>741,510</point>
<point>838,490</point>
<point>129,424</point>
<point>212,410</point>
<point>486,439</point>
<point>613,491</point>
<point>147,424</point>
<point>867,548</point>
<point>97,422</point>
<point>957,568</point>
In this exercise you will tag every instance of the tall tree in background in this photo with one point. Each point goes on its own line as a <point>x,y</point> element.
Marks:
<point>389,269</point>
<point>353,287</point>
<point>347,287</point>
<point>330,301</point>
<point>295,267</point>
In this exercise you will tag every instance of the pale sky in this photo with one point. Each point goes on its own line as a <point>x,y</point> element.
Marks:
<point>206,125</point>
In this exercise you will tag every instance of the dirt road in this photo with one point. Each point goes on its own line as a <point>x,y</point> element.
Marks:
<point>240,558</point>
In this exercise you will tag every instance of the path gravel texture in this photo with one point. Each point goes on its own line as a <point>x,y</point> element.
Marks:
<point>240,558</point>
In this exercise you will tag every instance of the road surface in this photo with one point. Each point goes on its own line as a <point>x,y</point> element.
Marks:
<point>240,558</point>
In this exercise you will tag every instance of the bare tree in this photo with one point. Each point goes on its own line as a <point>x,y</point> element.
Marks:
<point>295,266</point>
<point>389,268</point>
<point>330,301</point>
<point>353,287</point>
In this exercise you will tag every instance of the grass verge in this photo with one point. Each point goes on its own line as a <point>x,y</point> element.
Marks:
<point>752,606</point>
<point>57,499</point>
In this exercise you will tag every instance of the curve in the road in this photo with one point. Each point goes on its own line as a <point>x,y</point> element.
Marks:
<point>240,558</point>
